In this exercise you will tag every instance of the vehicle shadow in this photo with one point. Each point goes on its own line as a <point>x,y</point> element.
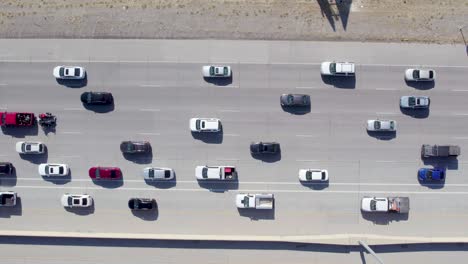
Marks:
<point>447,163</point>
<point>268,158</point>
<point>384,218</point>
<point>315,185</point>
<point>47,130</point>
<point>257,214</point>
<point>81,211</point>
<point>421,85</point>
<point>36,158</point>
<point>163,184</point>
<point>12,211</point>
<point>295,110</point>
<point>74,83</point>
<point>382,135</point>
<point>140,158</point>
<point>58,180</point>
<point>416,113</point>
<point>100,109</point>
<point>219,186</point>
<point>209,138</point>
<point>9,181</point>
<point>20,132</point>
<point>340,82</point>
<point>109,184</point>
<point>147,215</point>
<point>430,185</point>
<point>219,81</point>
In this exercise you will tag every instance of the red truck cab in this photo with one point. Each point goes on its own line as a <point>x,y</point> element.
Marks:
<point>16,119</point>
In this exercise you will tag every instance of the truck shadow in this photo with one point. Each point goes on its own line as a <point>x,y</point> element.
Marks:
<point>147,215</point>
<point>81,211</point>
<point>12,211</point>
<point>219,81</point>
<point>20,132</point>
<point>36,158</point>
<point>421,85</point>
<point>210,138</point>
<point>382,135</point>
<point>384,218</point>
<point>9,181</point>
<point>218,186</point>
<point>257,214</point>
<point>416,113</point>
<point>340,82</point>
<point>74,83</point>
<point>447,163</point>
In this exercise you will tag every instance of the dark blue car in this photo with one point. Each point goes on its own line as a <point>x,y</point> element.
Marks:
<point>431,175</point>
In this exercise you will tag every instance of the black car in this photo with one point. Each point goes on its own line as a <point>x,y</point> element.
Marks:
<point>264,148</point>
<point>97,98</point>
<point>295,100</point>
<point>141,204</point>
<point>6,168</point>
<point>132,147</point>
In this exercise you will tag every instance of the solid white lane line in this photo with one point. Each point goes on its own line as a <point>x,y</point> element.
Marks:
<point>150,85</point>
<point>385,161</point>
<point>306,160</point>
<point>242,190</point>
<point>232,135</point>
<point>310,87</point>
<point>65,156</point>
<point>149,133</point>
<point>149,110</point>
<point>386,113</point>
<point>460,114</point>
<point>226,159</point>
<point>460,137</point>
<point>459,90</point>
<point>229,110</point>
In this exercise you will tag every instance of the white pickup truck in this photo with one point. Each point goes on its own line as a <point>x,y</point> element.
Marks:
<point>255,201</point>
<point>7,199</point>
<point>337,68</point>
<point>216,173</point>
<point>385,204</point>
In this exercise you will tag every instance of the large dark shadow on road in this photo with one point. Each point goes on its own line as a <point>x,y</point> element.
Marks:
<point>421,85</point>
<point>384,218</point>
<point>382,135</point>
<point>219,81</point>
<point>416,113</point>
<point>74,83</point>
<point>100,109</point>
<point>315,185</point>
<point>36,158</point>
<point>140,158</point>
<point>59,180</point>
<point>109,184</point>
<point>268,158</point>
<point>340,81</point>
<point>449,163</point>
<point>147,215</point>
<point>9,180</point>
<point>258,214</point>
<point>163,184</point>
<point>20,132</point>
<point>296,110</point>
<point>210,138</point>
<point>17,210</point>
<point>81,211</point>
<point>219,186</point>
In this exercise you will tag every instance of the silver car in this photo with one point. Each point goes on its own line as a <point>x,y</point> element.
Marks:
<point>216,71</point>
<point>156,174</point>
<point>415,102</point>
<point>23,147</point>
<point>420,75</point>
<point>76,200</point>
<point>381,125</point>
<point>69,72</point>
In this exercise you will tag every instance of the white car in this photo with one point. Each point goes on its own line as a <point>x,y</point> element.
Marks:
<point>381,125</point>
<point>337,68</point>
<point>216,71</point>
<point>153,173</point>
<point>69,72</point>
<point>51,170</point>
<point>420,75</point>
<point>205,125</point>
<point>313,175</point>
<point>23,147</point>
<point>415,102</point>
<point>76,200</point>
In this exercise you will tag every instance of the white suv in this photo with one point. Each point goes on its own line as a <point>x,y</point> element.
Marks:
<point>198,124</point>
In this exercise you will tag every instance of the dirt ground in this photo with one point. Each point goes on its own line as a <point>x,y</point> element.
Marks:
<point>358,20</point>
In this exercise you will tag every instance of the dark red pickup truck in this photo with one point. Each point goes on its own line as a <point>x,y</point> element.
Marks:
<point>16,119</point>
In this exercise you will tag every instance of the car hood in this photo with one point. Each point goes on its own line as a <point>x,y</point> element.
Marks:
<point>325,68</point>
<point>409,74</point>
<point>56,71</point>
<point>42,169</point>
<point>404,101</point>
<point>206,70</point>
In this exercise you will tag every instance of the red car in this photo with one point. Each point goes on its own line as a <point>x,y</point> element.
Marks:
<point>105,173</point>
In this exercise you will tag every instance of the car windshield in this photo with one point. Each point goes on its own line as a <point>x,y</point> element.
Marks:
<point>324,175</point>
<point>290,99</point>
<point>85,201</point>
<point>416,74</point>
<point>332,67</point>
<point>226,71</point>
<point>113,174</point>
<point>97,173</point>
<point>70,200</point>
<point>130,147</point>
<point>304,99</point>
<point>197,124</point>
<point>377,124</point>
<point>429,175</point>
<point>47,169</point>
<point>212,70</point>
<point>77,72</point>
<point>61,71</point>
<point>309,175</point>
<point>61,170</point>
<point>373,205</point>
<point>151,173</point>
<point>167,174</point>
<point>28,147</point>
<point>205,173</point>
<point>411,101</point>
<point>431,74</point>
<point>392,125</point>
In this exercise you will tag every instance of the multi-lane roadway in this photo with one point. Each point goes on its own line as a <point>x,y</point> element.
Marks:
<point>154,101</point>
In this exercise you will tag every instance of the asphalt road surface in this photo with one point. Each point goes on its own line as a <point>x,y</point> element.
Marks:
<point>155,100</point>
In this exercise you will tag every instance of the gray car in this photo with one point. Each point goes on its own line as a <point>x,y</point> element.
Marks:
<point>415,102</point>
<point>156,174</point>
<point>295,100</point>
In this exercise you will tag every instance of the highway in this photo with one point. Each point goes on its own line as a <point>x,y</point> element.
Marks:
<point>154,101</point>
